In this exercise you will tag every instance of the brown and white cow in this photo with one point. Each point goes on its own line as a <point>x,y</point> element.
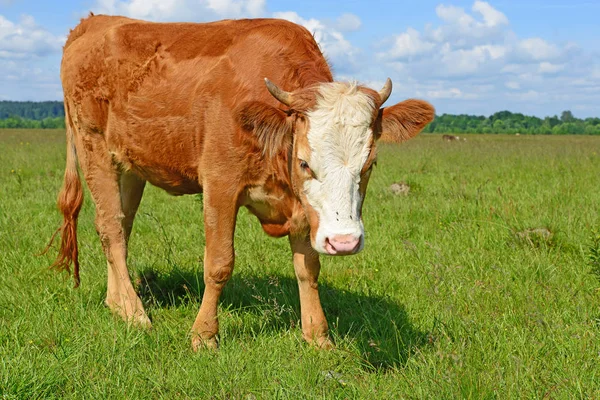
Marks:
<point>185,107</point>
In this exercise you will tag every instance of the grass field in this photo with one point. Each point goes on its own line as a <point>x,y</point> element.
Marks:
<point>454,295</point>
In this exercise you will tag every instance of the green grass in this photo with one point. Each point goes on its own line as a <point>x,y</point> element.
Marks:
<point>451,298</point>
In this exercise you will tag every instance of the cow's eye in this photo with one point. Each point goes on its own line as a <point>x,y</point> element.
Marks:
<point>304,165</point>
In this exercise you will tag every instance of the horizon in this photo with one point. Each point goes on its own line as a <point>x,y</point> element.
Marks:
<point>533,57</point>
<point>557,115</point>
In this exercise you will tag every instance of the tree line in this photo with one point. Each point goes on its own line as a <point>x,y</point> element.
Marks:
<point>50,115</point>
<point>14,122</point>
<point>36,110</point>
<point>513,123</point>
<point>32,114</point>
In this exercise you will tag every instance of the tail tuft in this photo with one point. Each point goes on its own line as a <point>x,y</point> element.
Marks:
<point>70,200</point>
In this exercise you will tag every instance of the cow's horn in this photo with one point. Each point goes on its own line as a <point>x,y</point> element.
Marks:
<point>385,92</point>
<point>281,95</point>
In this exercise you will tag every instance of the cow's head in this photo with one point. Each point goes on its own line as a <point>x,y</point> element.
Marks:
<point>332,129</point>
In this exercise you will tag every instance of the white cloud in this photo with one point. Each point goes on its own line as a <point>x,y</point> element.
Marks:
<point>21,79</point>
<point>452,93</point>
<point>408,44</point>
<point>25,39</point>
<point>530,95</point>
<point>491,16</point>
<point>453,60</point>
<point>253,8</point>
<point>463,44</point>
<point>185,10</point>
<point>549,68</point>
<point>29,60</point>
<point>465,29</point>
<point>334,45</point>
<point>469,61</point>
<point>536,49</point>
<point>348,23</point>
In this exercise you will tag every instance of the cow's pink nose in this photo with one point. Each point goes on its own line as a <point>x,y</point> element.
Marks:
<point>342,244</point>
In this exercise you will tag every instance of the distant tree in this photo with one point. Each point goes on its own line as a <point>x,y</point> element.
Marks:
<point>499,126</point>
<point>567,116</point>
<point>552,121</point>
<point>592,121</point>
<point>592,130</point>
<point>503,115</point>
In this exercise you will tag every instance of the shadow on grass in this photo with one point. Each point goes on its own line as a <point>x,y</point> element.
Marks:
<point>377,326</point>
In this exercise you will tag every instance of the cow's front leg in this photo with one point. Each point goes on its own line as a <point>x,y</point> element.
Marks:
<point>219,227</point>
<point>307,267</point>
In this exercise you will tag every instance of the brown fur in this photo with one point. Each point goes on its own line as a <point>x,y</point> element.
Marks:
<point>404,120</point>
<point>184,106</point>
<point>271,126</point>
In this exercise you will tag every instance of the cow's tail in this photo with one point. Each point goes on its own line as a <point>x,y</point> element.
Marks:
<point>70,200</point>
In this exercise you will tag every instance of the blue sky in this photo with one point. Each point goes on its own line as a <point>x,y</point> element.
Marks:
<point>475,57</point>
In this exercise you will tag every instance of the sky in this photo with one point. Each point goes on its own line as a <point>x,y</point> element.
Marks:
<point>537,57</point>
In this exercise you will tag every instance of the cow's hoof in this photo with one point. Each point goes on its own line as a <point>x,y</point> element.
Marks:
<point>324,344</point>
<point>321,343</point>
<point>141,321</point>
<point>132,314</point>
<point>199,343</point>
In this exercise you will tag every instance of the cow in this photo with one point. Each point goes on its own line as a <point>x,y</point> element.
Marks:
<point>245,112</point>
<point>450,138</point>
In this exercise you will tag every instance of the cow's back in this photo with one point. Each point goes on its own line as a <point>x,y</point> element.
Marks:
<point>163,94</point>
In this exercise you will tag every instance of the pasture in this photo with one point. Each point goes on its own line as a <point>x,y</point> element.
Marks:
<point>456,295</point>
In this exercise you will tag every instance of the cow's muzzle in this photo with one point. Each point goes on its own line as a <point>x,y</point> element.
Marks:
<point>341,245</point>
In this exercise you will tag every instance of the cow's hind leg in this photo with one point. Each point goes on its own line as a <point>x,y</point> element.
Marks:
<point>220,211</point>
<point>131,188</point>
<point>112,221</point>
<point>120,296</point>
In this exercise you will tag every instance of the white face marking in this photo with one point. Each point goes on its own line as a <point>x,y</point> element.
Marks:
<point>339,138</point>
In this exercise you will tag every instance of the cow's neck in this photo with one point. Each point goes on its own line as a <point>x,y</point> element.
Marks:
<point>271,198</point>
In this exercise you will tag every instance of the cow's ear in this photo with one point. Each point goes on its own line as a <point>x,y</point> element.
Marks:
<point>271,126</point>
<point>403,121</point>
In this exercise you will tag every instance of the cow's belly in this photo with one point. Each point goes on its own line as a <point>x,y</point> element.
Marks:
<point>175,178</point>
<point>171,181</point>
